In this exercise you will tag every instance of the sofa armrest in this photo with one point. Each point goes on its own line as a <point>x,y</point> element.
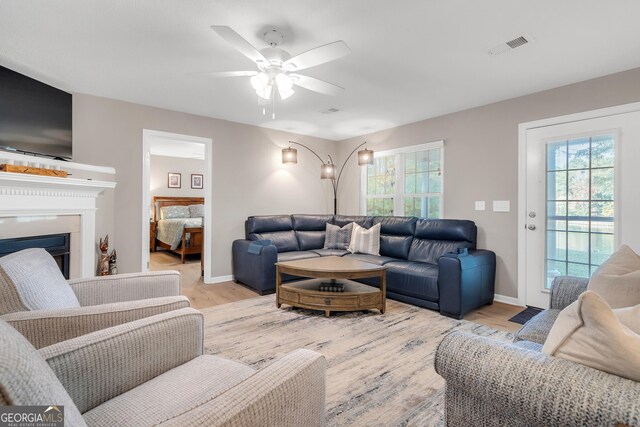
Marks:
<point>97,367</point>
<point>47,327</point>
<point>126,287</point>
<point>289,392</point>
<point>465,282</point>
<point>529,386</point>
<point>565,290</point>
<point>256,271</point>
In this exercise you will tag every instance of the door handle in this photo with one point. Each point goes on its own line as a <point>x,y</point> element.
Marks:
<point>531,227</point>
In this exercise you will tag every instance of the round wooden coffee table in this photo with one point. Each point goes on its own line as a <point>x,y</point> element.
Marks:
<point>306,293</point>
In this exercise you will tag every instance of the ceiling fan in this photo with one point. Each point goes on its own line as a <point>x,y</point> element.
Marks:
<point>277,68</point>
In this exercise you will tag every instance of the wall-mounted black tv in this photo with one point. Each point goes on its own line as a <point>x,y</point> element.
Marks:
<point>35,118</point>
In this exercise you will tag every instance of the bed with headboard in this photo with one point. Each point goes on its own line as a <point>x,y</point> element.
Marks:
<point>178,224</point>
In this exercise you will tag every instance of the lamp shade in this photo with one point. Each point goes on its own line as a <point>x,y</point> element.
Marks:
<point>365,157</point>
<point>328,171</point>
<point>289,155</point>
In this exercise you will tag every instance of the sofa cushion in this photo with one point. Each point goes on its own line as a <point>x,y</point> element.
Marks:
<point>27,379</point>
<point>365,241</point>
<point>617,280</point>
<point>538,327</point>
<point>396,235</point>
<point>455,230</point>
<point>308,240</point>
<point>295,255</point>
<point>338,237</point>
<point>31,280</point>
<point>362,221</point>
<point>589,332</point>
<point>396,225</point>
<point>372,259</point>
<point>170,393</point>
<point>268,223</point>
<point>284,241</point>
<point>331,252</point>
<point>430,251</point>
<point>311,222</point>
<point>414,279</point>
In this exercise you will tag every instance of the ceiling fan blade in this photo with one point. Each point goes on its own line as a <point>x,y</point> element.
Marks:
<point>236,40</point>
<point>226,73</point>
<point>317,56</point>
<point>316,85</point>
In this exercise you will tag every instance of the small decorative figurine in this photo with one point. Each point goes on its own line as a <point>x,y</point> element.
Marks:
<point>113,268</point>
<point>103,267</point>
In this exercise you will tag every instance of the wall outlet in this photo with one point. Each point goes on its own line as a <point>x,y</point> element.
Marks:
<point>480,205</point>
<point>501,206</point>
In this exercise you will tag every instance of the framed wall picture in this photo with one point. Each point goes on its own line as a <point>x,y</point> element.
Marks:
<point>197,181</point>
<point>174,180</point>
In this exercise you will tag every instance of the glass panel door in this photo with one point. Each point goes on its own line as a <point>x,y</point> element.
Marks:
<point>579,205</point>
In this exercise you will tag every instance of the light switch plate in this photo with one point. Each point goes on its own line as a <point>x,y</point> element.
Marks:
<point>501,206</point>
<point>480,205</point>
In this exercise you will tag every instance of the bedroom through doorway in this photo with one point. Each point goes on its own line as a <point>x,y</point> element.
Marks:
<point>176,205</point>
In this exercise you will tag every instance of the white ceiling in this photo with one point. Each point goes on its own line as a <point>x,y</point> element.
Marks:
<point>168,147</point>
<point>411,60</point>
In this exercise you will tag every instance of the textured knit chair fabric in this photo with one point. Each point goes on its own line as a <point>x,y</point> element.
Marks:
<point>152,372</point>
<point>26,379</point>
<point>564,291</point>
<point>37,300</point>
<point>31,280</point>
<point>493,383</point>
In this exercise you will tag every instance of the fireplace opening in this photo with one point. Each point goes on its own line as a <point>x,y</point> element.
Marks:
<point>56,244</point>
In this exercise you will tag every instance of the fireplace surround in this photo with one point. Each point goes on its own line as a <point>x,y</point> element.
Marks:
<point>32,205</point>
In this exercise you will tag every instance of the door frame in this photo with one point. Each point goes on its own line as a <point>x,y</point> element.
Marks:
<point>147,136</point>
<point>523,128</point>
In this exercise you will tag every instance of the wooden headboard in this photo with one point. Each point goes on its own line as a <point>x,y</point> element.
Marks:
<point>162,201</point>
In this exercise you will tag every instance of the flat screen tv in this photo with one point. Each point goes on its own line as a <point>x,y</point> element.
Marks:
<point>35,118</point>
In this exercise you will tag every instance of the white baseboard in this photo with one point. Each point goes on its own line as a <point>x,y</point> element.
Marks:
<point>218,279</point>
<point>506,300</point>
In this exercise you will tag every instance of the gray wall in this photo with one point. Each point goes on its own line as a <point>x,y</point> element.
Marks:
<point>481,157</point>
<point>248,177</point>
<point>162,165</point>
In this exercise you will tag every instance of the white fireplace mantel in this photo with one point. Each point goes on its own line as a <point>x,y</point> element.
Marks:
<point>23,195</point>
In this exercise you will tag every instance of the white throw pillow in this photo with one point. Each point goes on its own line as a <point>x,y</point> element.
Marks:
<point>589,332</point>
<point>617,280</point>
<point>365,241</point>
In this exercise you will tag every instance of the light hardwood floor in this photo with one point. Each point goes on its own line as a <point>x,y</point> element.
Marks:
<point>496,315</point>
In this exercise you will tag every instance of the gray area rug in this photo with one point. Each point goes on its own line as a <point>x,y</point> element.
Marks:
<point>380,367</point>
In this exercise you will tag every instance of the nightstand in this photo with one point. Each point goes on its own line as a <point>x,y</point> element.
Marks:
<point>152,236</point>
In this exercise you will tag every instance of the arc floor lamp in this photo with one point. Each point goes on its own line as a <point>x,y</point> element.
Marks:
<point>328,168</point>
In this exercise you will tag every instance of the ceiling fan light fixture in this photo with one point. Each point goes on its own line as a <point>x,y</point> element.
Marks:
<point>259,82</point>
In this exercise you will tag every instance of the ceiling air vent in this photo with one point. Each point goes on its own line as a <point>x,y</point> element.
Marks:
<point>330,110</point>
<point>510,45</point>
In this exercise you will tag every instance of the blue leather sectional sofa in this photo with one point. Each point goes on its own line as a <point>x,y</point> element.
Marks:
<point>430,263</point>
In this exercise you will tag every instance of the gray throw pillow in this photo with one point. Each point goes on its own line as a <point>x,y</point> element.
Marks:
<point>336,237</point>
<point>196,211</point>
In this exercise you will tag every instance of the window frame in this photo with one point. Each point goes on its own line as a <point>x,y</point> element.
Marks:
<point>399,194</point>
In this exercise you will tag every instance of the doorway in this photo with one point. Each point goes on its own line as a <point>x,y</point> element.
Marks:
<point>577,196</point>
<point>179,168</point>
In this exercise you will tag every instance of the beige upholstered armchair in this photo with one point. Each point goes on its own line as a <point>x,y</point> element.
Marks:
<point>37,300</point>
<point>152,372</point>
